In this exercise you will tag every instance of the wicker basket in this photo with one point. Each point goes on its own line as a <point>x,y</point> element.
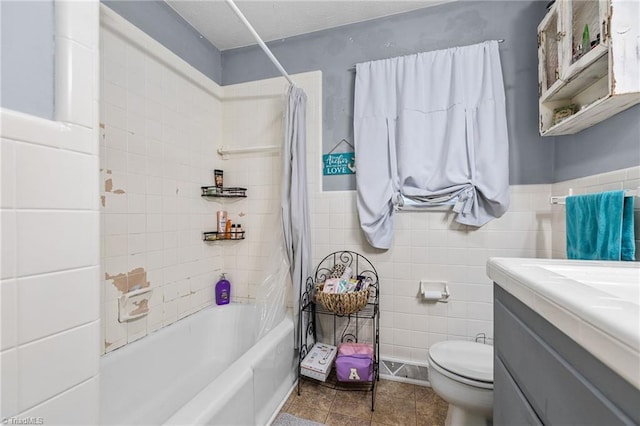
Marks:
<point>343,303</point>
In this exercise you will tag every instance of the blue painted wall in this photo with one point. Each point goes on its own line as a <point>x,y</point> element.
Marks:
<point>610,145</point>
<point>27,73</point>
<point>164,24</point>
<point>27,49</point>
<point>460,23</point>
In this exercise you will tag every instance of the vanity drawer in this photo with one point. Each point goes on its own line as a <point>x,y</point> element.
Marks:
<point>514,409</point>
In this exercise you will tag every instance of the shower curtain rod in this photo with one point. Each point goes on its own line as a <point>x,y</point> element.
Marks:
<point>264,47</point>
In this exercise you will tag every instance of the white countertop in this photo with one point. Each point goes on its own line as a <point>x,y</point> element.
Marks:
<point>595,303</point>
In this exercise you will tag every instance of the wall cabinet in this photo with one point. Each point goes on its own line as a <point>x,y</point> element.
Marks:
<point>589,63</point>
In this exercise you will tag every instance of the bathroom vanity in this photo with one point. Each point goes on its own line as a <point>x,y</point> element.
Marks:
<point>567,341</point>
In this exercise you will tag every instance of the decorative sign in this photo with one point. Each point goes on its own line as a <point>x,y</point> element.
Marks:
<point>338,164</point>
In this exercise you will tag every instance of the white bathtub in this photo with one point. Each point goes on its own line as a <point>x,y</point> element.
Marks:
<point>204,369</point>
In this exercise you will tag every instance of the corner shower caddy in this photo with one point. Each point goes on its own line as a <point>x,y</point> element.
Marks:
<point>223,192</point>
<point>352,330</point>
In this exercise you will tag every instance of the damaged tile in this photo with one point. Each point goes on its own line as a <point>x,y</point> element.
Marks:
<point>130,281</point>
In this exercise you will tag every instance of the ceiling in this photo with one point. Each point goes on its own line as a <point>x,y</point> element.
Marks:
<point>285,18</point>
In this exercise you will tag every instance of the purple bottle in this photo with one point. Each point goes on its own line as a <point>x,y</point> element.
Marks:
<point>223,291</point>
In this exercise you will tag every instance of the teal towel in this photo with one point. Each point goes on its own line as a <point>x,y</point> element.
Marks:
<point>628,250</point>
<point>600,227</point>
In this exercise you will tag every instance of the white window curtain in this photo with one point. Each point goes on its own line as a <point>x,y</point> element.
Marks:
<point>431,129</point>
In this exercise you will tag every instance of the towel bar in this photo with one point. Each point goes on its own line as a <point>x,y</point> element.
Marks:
<point>224,151</point>
<point>561,199</point>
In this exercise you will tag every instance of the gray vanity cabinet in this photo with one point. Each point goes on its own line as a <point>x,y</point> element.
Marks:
<point>541,376</point>
<point>514,407</point>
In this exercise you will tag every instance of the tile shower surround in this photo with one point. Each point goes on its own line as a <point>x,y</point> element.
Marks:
<point>162,123</point>
<point>427,246</point>
<point>49,270</point>
<point>156,150</point>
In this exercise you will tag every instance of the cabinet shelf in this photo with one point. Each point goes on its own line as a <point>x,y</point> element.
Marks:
<point>583,73</point>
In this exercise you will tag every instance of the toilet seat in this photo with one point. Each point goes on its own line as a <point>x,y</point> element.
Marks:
<point>470,363</point>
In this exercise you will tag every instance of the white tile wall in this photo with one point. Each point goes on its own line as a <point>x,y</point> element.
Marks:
<point>49,225</point>
<point>48,178</point>
<point>159,128</point>
<point>9,382</point>
<point>73,354</point>
<point>73,57</point>
<point>9,309</point>
<point>619,179</point>
<point>431,246</point>
<point>39,293</point>
<point>8,184</point>
<point>8,245</point>
<point>55,240</point>
<point>64,408</point>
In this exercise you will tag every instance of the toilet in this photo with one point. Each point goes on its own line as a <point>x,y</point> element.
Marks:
<point>461,373</point>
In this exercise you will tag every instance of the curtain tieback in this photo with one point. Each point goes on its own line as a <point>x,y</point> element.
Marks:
<point>465,200</point>
<point>397,201</point>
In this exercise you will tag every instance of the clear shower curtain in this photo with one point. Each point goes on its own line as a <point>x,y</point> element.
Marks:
<point>295,205</point>
<point>271,297</point>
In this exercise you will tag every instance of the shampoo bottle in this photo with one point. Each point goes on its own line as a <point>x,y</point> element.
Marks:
<point>223,291</point>
<point>222,222</point>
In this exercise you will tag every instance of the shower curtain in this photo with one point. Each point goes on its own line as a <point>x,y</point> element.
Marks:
<point>295,206</point>
<point>431,129</point>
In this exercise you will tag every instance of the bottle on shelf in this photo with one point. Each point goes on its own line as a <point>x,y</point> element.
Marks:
<point>586,42</point>
<point>218,177</point>
<point>222,221</point>
<point>227,230</point>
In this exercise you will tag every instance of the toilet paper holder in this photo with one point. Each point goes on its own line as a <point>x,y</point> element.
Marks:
<point>434,291</point>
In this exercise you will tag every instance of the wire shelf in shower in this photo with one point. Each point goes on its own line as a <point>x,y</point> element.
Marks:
<point>224,192</point>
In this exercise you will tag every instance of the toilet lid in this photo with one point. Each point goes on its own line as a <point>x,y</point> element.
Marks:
<point>468,359</point>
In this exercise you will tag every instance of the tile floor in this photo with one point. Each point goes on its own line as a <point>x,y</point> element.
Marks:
<point>396,404</point>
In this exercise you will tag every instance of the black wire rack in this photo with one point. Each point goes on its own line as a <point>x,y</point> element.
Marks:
<point>346,328</point>
<point>224,192</point>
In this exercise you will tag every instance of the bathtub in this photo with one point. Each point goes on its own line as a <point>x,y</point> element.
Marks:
<point>206,369</point>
